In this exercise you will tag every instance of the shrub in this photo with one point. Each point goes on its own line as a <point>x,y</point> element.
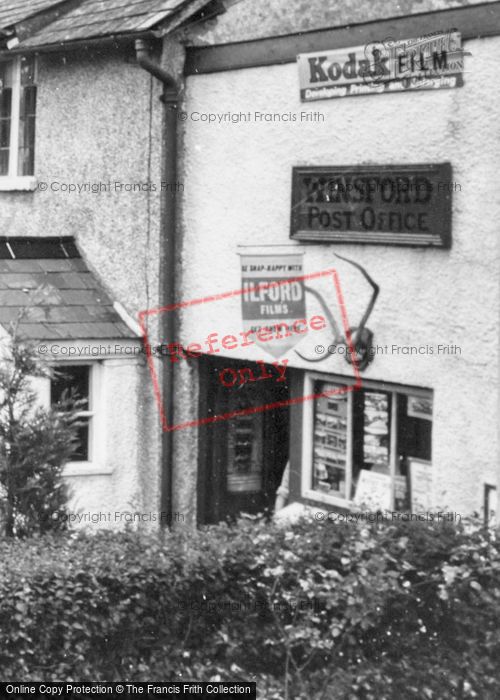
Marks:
<point>35,443</point>
<point>314,610</point>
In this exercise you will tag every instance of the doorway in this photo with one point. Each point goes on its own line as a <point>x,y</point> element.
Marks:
<point>241,459</point>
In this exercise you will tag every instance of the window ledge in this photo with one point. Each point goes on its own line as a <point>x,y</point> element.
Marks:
<point>325,499</point>
<point>26,183</point>
<point>85,469</point>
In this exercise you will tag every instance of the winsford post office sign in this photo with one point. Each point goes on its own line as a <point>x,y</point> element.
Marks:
<point>384,204</point>
<point>425,63</point>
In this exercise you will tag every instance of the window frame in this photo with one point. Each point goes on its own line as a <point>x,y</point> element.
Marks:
<point>12,180</point>
<point>96,463</point>
<point>349,383</point>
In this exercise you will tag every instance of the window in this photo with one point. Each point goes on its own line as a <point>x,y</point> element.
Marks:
<point>75,381</point>
<point>370,446</point>
<point>17,117</point>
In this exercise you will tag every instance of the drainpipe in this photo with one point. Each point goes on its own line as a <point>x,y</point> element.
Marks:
<point>167,255</point>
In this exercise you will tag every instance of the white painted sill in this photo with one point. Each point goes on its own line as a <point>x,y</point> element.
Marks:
<point>18,184</point>
<point>85,469</point>
<point>324,499</point>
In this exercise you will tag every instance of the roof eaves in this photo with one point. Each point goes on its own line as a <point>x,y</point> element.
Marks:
<point>155,26</point>
<point>30,24</point>
<point>114,40</point>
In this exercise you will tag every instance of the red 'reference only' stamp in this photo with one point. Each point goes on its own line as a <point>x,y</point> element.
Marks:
<point>214,342</point>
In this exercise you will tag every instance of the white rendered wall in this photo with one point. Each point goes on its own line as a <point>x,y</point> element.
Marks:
<point>237,192</point>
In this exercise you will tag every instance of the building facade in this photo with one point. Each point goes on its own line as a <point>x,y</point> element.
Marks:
<point>419,426</point>
<point>81,164</point>
<point>218,187</point>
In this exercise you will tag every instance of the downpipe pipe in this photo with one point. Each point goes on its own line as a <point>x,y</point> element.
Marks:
<point>168,218</point>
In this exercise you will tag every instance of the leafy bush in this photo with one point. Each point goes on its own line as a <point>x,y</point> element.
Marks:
<point>35,443</point>
<point>314,610</point>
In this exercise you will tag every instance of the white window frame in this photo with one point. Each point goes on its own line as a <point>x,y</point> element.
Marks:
<point>13,181</point>
<point>310,378</point>
<point>96,463</point>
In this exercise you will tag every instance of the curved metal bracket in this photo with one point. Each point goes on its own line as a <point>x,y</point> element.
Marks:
<point>369,308</point>
<point>330,319</point>
<point>360,337</point>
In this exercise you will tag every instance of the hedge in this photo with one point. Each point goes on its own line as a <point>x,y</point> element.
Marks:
<point>316,610</point>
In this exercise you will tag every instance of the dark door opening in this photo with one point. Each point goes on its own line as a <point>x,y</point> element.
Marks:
<point>242,459</point>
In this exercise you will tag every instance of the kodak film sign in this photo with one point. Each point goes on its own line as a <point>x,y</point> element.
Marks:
<point>430,62</point>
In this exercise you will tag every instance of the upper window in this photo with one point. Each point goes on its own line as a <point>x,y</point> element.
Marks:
<point>371,446</point>
<point>75,381</point>
<point>17,117</point>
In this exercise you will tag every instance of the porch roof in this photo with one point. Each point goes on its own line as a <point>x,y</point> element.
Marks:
<point>99,19</point>
<point>47,287</point>
<point>15,11</point>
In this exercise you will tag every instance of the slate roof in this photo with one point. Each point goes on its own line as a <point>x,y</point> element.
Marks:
<point>15,11</point>
<point>93,19</point>
<point>63,298</point>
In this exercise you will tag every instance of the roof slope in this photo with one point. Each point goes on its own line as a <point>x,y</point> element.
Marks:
<point>101,18</point>
<point>47,281</point>
<point>15,11</point>
<point>247,20</point>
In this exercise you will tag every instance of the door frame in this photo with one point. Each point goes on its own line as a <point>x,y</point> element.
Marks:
<point>210,479</point>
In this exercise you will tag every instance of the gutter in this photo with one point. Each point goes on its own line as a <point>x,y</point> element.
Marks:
<point>168,212</point>
<point>113,40</point>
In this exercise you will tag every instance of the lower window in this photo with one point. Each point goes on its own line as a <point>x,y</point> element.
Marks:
<point>75,381</point>
<point>370,446</point>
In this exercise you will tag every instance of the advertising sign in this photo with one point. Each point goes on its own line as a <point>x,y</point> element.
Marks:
<point>425,63</point>
<point>373,490</point>
<point>385,204</point>
<point>420,485</point>
<point>273,300</point>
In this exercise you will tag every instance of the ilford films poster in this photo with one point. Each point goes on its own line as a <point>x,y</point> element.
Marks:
<point>273,299</point>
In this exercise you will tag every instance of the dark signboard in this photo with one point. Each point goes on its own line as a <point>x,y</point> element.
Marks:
<point>383,204</point>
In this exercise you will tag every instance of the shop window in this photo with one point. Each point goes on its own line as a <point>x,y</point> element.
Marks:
<point>330,446</point>
<point>18,94</point>
<point>75,381</point>
<point>368,446</point>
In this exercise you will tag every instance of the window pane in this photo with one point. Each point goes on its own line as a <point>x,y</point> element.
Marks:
<point>4,161</point>
<point>371,433</point>
<point>27,117</point>
<point>6,75</point>
<point>81,452</point>
<point>28,100</point>
<point>5,115</point>
<point>376,431</point>
<point>71,380</point>
<point>5,121</point>
<point>4,133</point>
<point>74,381</point>
<point>414,428</point>
<point>27,70</point>
<point>5,103</point>
<point>330,442</point>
